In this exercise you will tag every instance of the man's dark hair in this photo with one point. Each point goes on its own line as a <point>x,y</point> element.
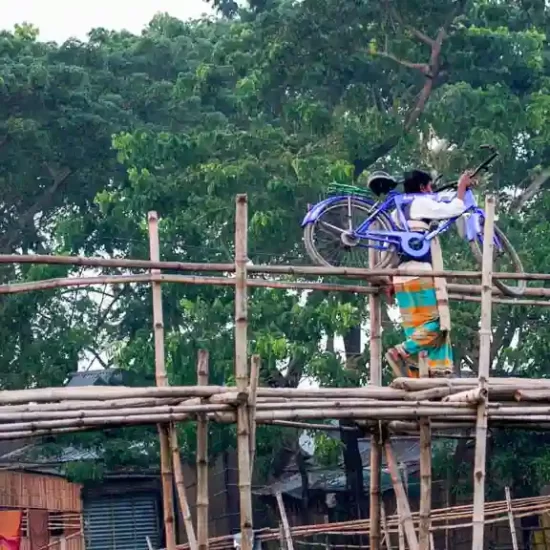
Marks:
<point>415,179</point>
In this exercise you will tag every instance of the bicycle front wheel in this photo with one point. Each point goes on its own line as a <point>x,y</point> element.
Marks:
<point>330,240</point>
<point>505,260</point>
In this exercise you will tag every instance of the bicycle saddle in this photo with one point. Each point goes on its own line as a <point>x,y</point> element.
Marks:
<point>381,183</point>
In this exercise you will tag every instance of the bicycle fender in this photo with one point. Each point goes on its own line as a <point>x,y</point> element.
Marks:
<point>316,210</point>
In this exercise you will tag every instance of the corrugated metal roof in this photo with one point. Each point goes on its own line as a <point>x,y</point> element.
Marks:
<point>406,450</point>
<point>328,481</point>
<point>98,377</point>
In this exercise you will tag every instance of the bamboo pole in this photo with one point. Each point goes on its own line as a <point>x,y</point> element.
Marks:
<point>473,396</point>
<point>401,498</point>
<point>180,489</point>
<point>161,379</point>
<point>425,468</point>
<point>284,521</point>
<point>359,273</point>
<point>387,536</point>
<point>202,459</point>
<point>241,369</point>
<point>511,519</point>
<point>485,335</point>
<point>532,395</point>
<point>68,282</point>
<point>253,390</point>
<point>462,293</point>
<point>375,441</point>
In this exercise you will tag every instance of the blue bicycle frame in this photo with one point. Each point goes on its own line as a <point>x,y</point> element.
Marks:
<point>413,243</point>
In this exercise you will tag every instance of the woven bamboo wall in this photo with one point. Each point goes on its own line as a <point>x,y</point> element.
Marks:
<point>28,490</point>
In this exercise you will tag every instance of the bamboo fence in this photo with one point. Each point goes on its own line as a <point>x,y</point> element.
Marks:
<point>428,406</point>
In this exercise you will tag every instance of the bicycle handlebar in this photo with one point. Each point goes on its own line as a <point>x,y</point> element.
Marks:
<point>483,166</point>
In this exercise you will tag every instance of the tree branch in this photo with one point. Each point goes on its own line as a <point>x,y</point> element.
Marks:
<point>534,187</point>
<point>97,357</point>
<point>424,68</point>
<point>41,203</point>
<point>416,32</point>
<point>429,84</point>
<point>432,74</point>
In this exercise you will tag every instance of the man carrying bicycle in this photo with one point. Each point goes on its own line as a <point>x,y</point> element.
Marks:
<point>416,296</point>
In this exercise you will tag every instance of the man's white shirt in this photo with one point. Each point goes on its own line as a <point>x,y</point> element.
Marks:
<point>427,207</point>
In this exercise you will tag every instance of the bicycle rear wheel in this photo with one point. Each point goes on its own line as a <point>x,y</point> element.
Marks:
<point>329,241</point>
<point>514,288</point>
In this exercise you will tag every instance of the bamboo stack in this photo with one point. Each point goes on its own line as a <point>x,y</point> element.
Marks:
<point>515,403</point>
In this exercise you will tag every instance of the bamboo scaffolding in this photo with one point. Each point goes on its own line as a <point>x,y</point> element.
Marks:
<point>416,406</point>
<point>165,432</point>
<point>241,370</point>
<point>485,334</point>
<point>202,459</point>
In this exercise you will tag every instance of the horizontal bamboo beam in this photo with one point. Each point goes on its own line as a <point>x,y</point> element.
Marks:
<point>461,293</point>
<point>273,269</point>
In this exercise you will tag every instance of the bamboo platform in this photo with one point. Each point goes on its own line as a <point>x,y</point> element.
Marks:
<point>428,406</point>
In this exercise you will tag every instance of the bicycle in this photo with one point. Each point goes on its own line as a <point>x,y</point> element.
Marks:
<point>378,229</point>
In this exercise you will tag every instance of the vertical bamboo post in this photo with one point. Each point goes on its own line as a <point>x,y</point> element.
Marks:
<point>425,469</point>
<point>511,519</point>
<point>241,369</point>
<point>483,375</point>
<point>284,520</point>
<point>161,380</point>
<point>404,510</point>
<point>254,382</point>
<point>440,285</point>
<point>375,443</point>
<point>202,458</point>
<point>400,532</point>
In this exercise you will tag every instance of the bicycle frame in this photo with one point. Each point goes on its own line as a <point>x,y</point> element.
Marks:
<point>413,243</point>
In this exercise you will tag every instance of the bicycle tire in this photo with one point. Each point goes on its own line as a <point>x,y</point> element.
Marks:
<point>513,291</point>
<point>386,257</point>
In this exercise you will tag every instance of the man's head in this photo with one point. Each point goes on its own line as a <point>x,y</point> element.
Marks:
<point>417,181</point>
